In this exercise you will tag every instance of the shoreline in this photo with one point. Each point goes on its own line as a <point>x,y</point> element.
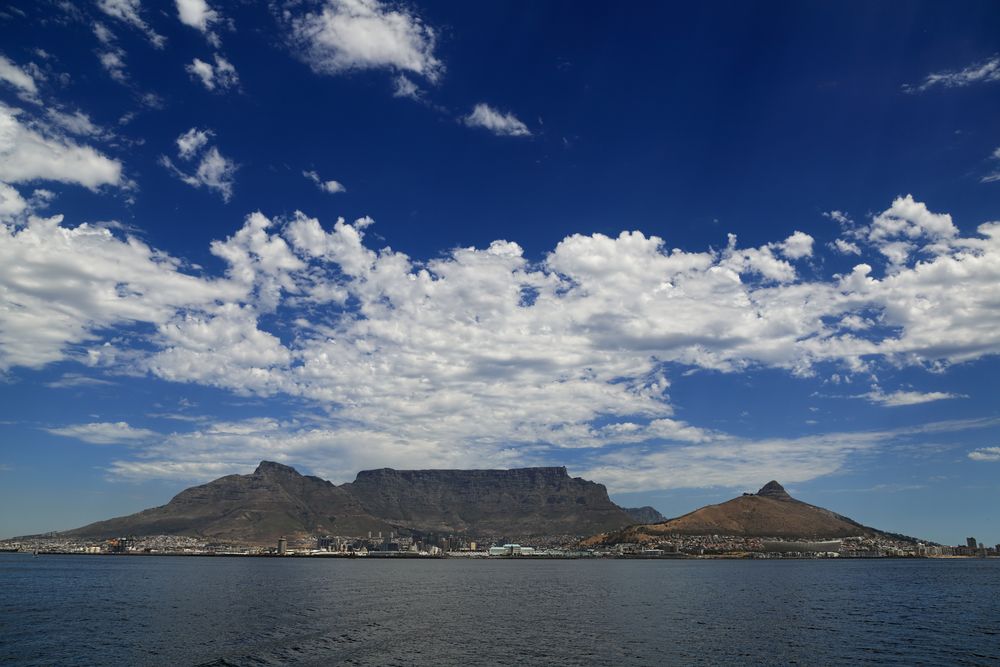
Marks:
<point>682,557</point>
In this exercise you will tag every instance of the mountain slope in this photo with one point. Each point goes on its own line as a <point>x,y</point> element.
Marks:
<point>771,512</point>
<point>525,501</point>
<point>273,501</point>
<point>276,500</point>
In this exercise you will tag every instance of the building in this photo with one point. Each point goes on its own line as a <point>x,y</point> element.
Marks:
<point>971,543</point>
<point>282,546</point>
<point>512,550</point>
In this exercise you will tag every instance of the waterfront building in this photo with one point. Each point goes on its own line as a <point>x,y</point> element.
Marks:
<point>282,546</point>
<point>512,550</point>
<point>971,543</point>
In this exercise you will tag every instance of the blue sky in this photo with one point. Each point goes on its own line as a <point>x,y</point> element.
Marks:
<point>680,250</point>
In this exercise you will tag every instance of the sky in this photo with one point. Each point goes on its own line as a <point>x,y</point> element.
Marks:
<point>680,249</point>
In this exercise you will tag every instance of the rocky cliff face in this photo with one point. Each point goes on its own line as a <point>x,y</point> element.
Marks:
<point>526,501</point>
<point>645,514</point>
<point>276,500</point>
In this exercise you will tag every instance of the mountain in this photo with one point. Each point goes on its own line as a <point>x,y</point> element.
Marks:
<point>645,514</point>
<point>525,501</point>
<point>771,512</point>
<point>276,500</point>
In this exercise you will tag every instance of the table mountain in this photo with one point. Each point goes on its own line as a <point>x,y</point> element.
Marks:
<point>276,500</point>
<point>525,501</point>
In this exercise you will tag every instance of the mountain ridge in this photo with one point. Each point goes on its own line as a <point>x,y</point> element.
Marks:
<point>771,512</point>
<point>276,500</point>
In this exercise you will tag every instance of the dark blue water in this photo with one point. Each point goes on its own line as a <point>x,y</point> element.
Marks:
<point>69,610</point>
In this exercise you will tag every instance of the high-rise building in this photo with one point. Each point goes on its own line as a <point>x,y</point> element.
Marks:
<point>282,546</point>
<point>971,542</point>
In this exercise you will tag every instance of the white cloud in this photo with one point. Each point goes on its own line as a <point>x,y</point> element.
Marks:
<point>105,433</point>
<point>60,286</point>
<point>76,380</point>
<point>76,122</point>
<point>899,230</point>
<point>27,155</point>
<point>333,187</point>
<point>350,35</point>
<point>12,204</point>
<point>404,87</point>
<point>113,61</point>
<point>846,247</point>
<point>993,176</point>
<point>480,355</point>
<point>200,16</point>
<point>18,78</point>
<point>111,56</point>
<point>214,171</point>
<point>982,72</point>
<point>797,246</point>
<point>191,142</point>
<point>497,122</point>
<point>899,398</point>
<point>127,11</point>
<point>985,454</point>
<point>221,76</point>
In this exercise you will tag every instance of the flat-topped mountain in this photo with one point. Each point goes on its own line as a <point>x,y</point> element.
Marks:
<point>770,512</point>
<point>276,500</point>
<point>525,501</point>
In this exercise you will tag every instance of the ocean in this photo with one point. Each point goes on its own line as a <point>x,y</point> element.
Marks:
<point>137,610</point>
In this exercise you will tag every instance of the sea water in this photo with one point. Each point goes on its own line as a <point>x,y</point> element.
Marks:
<point>150,610</point>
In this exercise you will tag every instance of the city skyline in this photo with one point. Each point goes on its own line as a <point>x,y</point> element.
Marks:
<point>681,251</point>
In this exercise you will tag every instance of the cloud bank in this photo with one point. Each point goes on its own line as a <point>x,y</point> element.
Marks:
<point>481,356</point>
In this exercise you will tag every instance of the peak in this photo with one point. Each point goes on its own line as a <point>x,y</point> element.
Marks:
<point>270,468</point>
<point>774,490</point>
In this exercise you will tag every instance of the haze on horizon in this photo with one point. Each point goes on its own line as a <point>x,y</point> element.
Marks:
<point>681,251</point>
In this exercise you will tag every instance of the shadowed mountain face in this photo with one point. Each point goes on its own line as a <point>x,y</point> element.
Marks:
<point>771,512</point>
<point>276,500</point>
<point>645,514</point>
<point>273,501</point>
<point>526,501</point>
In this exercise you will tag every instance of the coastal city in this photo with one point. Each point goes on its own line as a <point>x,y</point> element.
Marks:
<point>391,545</point>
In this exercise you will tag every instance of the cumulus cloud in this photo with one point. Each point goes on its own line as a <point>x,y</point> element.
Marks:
<point>497,122</point>
<point>333,187</point>
<point>214,171</point>
<point>346,35</point>
<point>218,77</point>
<point>982,72</point>
<point>797,246</point>
<point>12,204</point>
<point>105,433</point>
<point>191,142</point>
<point>27,155</point>
<point>483,354</point>
<point>127,11</point>
<point>61,286</point>
<point>985,454</point>
<point>200,16</point>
